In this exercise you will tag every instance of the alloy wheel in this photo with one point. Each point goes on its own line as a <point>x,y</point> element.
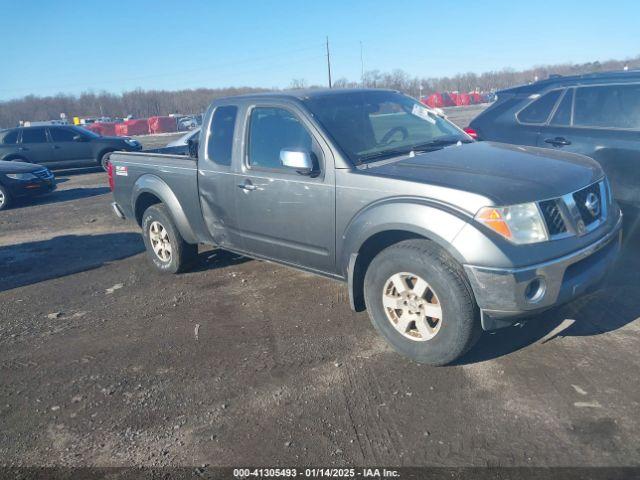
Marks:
<point>412,306</point>
<point>160,242</point>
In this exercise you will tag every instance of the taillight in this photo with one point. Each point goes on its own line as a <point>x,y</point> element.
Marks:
<point>471,132</point>
<point>110,174</point>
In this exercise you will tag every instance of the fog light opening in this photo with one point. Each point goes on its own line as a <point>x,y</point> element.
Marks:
<point>535,290</point>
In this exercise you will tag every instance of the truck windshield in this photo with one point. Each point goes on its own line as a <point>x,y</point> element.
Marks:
<point>371,125</point>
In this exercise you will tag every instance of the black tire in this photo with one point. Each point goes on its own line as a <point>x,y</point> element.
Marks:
<point>182,253</point>
<point>5,198</point>
<point>460,327</point>
<point>103,161</point>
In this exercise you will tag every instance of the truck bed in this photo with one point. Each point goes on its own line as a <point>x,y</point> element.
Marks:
<point>135,174</point>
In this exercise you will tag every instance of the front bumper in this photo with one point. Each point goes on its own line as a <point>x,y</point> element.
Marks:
<point>28,188</point>
<point>503,295</point>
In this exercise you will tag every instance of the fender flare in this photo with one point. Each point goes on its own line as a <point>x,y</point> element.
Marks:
<point>149,183</point>
<point>414,217</point>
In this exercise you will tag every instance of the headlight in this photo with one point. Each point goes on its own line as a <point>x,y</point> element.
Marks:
<point>520,224</point>
<point>21,176</point>
<point>131,141</point>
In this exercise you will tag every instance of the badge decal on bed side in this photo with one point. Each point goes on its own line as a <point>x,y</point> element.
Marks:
<point>121,170</point>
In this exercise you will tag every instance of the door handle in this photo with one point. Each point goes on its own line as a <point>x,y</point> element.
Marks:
<point>558,141</point>
<point>23,149</point>
<point>56,147</point>
<point>249,187</point>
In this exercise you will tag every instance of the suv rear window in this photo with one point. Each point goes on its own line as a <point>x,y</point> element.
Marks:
<point>220,144</point>
<point>9,137</point>
<point>611,106</point>
<point>540,109</point>
<point>34,135</point>
<point>562,117</point>
<point>62,134</point>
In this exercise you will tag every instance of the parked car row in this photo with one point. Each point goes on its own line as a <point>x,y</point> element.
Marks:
<point>61,146</point>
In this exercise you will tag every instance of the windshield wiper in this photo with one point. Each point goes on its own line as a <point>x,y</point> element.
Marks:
<point>383,154</point>
<point>438,143</point>
<point>420,147</point>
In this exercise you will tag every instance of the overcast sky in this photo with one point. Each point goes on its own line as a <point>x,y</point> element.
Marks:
<point>74,46</point>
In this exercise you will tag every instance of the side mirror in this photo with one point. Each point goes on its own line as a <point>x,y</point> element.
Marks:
<point>300,161</point>
<point>194,144</point>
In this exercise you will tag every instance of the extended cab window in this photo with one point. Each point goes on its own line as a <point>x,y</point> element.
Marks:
<point>62,134</point>
<point>220,144</point>
<point>540,109</point>
<point>272,130</point>
<point>612,106</point>
<point>8,138</point>
<point>34,135</point>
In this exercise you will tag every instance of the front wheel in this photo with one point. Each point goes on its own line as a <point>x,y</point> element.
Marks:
<point>420,301</point>
<point>5,198</point>
<point>166,248</point>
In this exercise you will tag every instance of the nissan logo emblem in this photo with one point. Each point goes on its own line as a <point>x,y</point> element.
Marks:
<point>592,203</point>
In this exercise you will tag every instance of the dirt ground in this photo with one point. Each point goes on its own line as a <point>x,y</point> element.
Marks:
<point>105,362</point>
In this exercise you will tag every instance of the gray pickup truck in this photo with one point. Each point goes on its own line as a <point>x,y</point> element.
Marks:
<point>436,235</point>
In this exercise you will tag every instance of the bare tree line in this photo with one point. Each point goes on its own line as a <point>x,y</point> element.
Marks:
<point>145,103</point>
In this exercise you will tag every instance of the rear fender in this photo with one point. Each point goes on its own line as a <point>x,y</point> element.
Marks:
<point>154,185</point>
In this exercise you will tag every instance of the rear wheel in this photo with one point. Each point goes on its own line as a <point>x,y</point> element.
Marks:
<point>420,301</point>
<point>5,198</point>
<point>166,248</point>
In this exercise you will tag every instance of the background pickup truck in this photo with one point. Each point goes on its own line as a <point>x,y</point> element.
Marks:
<point>436,235</point>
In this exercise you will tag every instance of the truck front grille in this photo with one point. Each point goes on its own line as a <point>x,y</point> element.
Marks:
<point>553,217</point>
<point>576,213</point>
<point>589,203</point>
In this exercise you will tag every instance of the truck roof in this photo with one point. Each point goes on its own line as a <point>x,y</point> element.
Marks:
<point>306,93</point>
<point>618,76</point>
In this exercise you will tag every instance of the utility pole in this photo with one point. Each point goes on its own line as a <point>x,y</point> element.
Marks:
<point>361,66</point>
<point>328,62</point>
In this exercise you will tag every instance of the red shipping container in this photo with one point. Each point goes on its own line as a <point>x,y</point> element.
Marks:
<point>93,127</point>
<point>449,99</point>
<point>108,129</point>
<point>434,101</point>
<point>475,98</point>
<point>162,124</point>
<point>132,127</point>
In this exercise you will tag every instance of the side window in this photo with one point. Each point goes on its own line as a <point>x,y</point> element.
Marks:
<point>271,130</point>
<point>34,135</point>
<point>612,106</point>
<point>562,117</point>
<point>10,137</point>
<point>220,145</point>
<point>540,109</point>
<point>62,134</point>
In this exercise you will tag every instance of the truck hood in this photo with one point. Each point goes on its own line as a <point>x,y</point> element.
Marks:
<point>19,167</point>
<point>506,174</point>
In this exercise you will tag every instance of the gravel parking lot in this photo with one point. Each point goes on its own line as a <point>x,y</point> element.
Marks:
<point>105,362</point>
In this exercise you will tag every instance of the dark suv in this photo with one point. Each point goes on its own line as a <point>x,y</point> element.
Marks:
<point>61,146</point>
<point>596,115</point>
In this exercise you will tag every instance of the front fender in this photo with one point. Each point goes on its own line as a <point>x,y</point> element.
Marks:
<point>439,223</point>
<point>154,185</point>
